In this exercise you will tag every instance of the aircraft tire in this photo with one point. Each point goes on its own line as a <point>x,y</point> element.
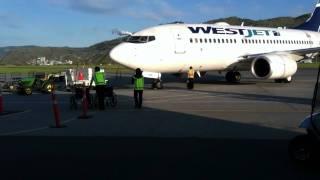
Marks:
<point>233,76</point>
<point>286,80</point>
<point>28,91</point>
<point>157,84</point>
<point>236,76</point>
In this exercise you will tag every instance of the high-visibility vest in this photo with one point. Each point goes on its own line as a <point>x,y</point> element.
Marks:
<point>99,78</point>
<point>138,83</point>
<point>191,73</point>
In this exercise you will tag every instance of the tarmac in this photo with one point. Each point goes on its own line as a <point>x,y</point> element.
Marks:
<point>218,130</point>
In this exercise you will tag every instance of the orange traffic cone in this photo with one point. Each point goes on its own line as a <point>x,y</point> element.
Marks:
<point>84,114</point>
<point>56,111</point>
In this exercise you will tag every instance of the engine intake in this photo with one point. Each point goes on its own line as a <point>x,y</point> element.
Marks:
<point>273,67</point>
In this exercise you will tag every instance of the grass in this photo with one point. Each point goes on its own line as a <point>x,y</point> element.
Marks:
<point>309,65</point>
<point>55,69</point>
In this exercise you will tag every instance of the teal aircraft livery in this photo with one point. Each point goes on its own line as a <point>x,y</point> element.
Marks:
<point>233,31</point>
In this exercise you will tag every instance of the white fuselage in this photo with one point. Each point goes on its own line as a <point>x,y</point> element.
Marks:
<point>207,47</point>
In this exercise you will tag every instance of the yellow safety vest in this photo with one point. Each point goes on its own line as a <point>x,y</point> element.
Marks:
<point>138,83</point>
<point>99,78</point>
<point>191,73</point>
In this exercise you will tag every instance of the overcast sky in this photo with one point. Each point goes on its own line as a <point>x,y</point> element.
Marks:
<point>81,23</point>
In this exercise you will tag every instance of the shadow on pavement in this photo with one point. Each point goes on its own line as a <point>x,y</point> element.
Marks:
<point>146,158</point>
<point>150,157</point>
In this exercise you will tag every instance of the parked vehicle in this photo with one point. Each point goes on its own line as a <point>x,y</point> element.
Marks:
<point>305,149</point>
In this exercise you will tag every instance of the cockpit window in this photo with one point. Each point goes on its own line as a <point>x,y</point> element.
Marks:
<point>140,39</point>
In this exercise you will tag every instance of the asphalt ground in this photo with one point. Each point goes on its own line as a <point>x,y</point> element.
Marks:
<point>217,130</point>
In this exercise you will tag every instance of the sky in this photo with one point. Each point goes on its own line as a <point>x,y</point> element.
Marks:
<point>81,23</point>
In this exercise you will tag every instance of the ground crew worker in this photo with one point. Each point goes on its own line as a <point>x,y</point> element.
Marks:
<point>190,82</point>
<point>100,82</point>
<point>138,81</point>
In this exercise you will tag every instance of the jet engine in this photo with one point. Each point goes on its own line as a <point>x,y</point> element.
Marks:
<point>273,66</point>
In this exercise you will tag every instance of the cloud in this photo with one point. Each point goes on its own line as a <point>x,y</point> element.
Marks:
<point>141,9</point>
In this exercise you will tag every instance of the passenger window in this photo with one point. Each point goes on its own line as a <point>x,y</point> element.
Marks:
<point>205,40</point>
<point>222,40</point>
<point>200,40</point>
<point>214,40</point>
<point>191,40</point>
<point>227,41</point>
<point>196,40</point>
<point>218,40</point>
<point>210,41</point>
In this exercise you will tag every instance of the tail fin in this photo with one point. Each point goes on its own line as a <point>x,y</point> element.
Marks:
<point>313,23</point>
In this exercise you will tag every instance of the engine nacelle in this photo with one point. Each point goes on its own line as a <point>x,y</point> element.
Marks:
<point>273,66</point>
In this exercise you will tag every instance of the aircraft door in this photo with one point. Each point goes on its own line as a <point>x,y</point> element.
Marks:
<point>179,43</point>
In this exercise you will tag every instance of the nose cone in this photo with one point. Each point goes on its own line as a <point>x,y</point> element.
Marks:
<point>116,54</point>
<point>123,55</point>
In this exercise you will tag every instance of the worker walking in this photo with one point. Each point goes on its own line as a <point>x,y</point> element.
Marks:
<point>190,81</point>
<point>100,82</point>
<point>138,81</point>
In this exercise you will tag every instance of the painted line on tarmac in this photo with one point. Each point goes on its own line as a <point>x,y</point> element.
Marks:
<point>13,114</point>
<point>37,129</point>
<point>35,102</point>
<point>23,131</point>
<point>191,92</point>
<point>246,111</point>
<point>165,98</point>
<point>183,110</point>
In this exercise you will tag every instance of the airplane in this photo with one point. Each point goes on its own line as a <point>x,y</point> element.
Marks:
<point>269,53</point>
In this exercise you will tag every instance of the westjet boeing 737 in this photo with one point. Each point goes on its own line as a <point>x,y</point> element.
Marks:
<point>269,53</point>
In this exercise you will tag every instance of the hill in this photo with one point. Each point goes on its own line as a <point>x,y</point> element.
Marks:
<point>99,53</point>
<point>288,22</point>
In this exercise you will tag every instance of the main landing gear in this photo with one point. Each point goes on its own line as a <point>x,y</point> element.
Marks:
<point>157,84</point>
<point>285,80</point>
<point>233,77</point>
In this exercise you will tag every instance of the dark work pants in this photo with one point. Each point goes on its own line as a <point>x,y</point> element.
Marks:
<point>100,95</point>
<point>138,98</point>
<point>190,83</point>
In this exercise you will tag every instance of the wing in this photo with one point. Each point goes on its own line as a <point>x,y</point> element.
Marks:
<point>244,62</point>
<point>298,52</point>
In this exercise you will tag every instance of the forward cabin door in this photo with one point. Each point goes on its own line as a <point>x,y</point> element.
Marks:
<point>179,42</point>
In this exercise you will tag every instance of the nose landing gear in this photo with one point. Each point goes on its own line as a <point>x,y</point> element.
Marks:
<point>157,84</point>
